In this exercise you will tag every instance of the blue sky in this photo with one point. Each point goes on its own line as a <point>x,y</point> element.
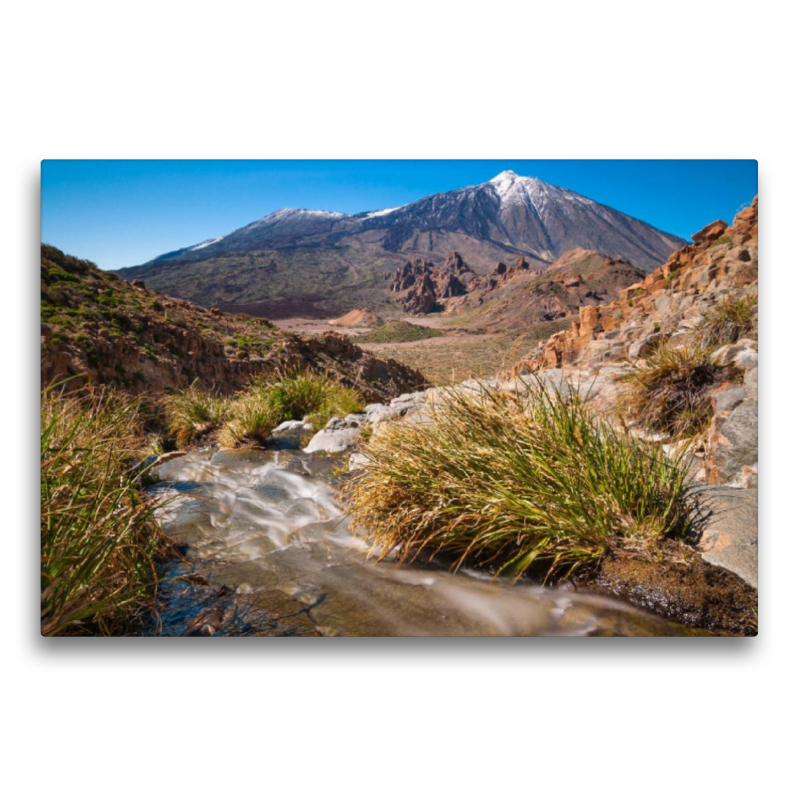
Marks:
<point>122,213</point>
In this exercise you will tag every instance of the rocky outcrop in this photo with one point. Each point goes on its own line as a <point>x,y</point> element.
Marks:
<point>722,261</point>
<point>421,287</point>
<point>666,308</point>
<point>514,296</point>
<point>519,296</point>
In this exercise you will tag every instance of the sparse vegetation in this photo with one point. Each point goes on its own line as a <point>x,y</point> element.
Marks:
<point>98,536</point>
<point>398,331</point>
<point>670,392</point>
<point>456,358</point>
<point>516,480</point>
<point>251,417</point>
<point>730,320</point>
<point>94,322</point>
<point>191,413</point>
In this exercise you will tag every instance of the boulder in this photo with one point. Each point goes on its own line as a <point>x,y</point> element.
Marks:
<point>643,347</point>
<point>358,461</point>
<point>730,532</point>
<point>732,453</point>
<point>742,354</point>
<point>333,440</point>
<point>727,397</point>
<point>711,232</point>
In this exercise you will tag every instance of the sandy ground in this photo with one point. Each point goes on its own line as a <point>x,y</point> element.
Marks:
<point>456,356</point>
<point>301,325</point>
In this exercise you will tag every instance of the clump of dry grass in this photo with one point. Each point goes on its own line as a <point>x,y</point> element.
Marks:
<point>98,536</point>
<point>671,392</point>
<point>730,320</point>
<point>193,412</point>
<point>515,480</point>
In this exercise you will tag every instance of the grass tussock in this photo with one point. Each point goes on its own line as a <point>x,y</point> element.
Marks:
<point>255,412</point>
<point>302,393</point>
<point>733,318</point>
<point>516,480</point>
<point>670,393</point>
<point>251,417</point>
<point>98,536</point>
<point>193,412</point>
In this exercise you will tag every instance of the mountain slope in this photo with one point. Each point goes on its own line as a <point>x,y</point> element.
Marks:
<point>100,327</point>
<point>297,261</point>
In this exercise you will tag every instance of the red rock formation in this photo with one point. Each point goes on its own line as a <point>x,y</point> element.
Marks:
<point>722,258</point>
<point>422,286</point>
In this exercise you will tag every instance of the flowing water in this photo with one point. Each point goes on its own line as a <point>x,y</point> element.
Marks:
<point>268,551</point>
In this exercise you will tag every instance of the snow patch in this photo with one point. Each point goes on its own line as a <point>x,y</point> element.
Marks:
<point>206,243</point>
<point>382,213</point>
<point>294,213</point>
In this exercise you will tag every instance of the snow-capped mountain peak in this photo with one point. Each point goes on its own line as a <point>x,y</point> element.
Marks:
<point>500,219</point>
<point>513,189</point>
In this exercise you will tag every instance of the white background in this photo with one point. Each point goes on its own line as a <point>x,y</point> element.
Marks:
<point>386,719</point>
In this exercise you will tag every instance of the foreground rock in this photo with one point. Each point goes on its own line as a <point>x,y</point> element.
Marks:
<point>730,534</point>
<point>337,436</point>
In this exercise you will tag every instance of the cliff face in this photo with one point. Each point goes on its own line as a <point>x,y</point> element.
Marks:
<point>96,325</point>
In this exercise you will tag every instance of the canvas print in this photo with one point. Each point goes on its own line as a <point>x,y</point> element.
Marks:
<point>399,398</point>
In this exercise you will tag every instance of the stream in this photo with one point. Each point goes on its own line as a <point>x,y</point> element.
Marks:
<point>269,552</point>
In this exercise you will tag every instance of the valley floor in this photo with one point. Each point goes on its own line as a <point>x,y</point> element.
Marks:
<point>461,353</point>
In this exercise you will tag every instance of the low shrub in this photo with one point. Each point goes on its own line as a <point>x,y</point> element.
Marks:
<point>517,480</point>
<point>730,320</point>
<point>98,536</point>
<point>297,395</point>
<point>670,393</point>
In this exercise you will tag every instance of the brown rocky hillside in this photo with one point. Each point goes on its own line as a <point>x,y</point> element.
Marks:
<point>513,297</point>
<point>95,324</point>
<point>668,303</point>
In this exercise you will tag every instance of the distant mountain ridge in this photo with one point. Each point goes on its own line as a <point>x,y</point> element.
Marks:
<point>301,261</point>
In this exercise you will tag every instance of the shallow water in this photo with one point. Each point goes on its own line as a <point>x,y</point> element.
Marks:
<point>269,552</point>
